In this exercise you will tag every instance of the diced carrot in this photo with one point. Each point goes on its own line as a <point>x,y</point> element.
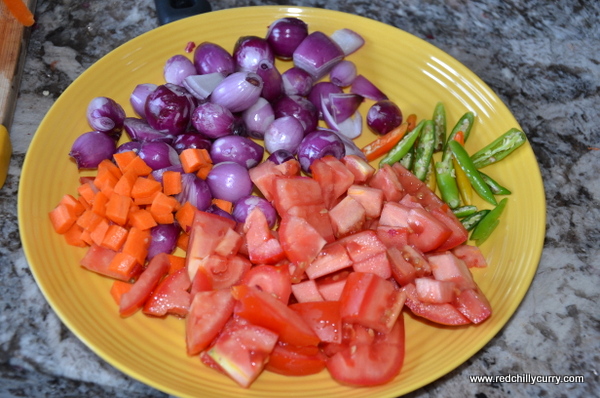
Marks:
<point>97,234</point>
<point>137,243</point>
<point>84,203</point>
<point>144,187</point>
<point>125,183</point>
<point>105,180</point>
<point>119,288</point>
<point>122,159</point>
<point>115,237</point>
<point>74,203</point>
<point>20,11</point>
<point>182,241</point>
<point>162,208</point>
<point>223,204</point>
<point>145,200</point>
<point>138,165</point>
<point>87,190</point>
<point>99,204</point>
<point>109,166</point>
<point>192,159</point>
<point>117,208</point>
<point>62,218</point>
<point>86,236</point>
<point>73,236</point>
<point>142,219</point>
<point>185,216</point>
<point>123,264</point>
<point>88,220</point>
<point>204,170</point>
<point>176,263</point>
<point>171,182</point>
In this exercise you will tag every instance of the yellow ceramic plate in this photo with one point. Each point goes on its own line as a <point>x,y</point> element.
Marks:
<point>412,72</point>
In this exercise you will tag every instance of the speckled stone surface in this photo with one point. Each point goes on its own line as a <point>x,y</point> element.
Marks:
<point>542,58</point>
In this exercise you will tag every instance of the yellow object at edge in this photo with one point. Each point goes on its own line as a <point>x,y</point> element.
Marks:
<point>5,152</point>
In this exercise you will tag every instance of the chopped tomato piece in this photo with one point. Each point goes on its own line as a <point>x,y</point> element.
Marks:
<point>323,317</point>
<point>306,291</point>
<point>447,267</point>
<point>171,296</point>
<point>471,255</point>
<point>473,304</point>
<point>135,298</point>
<point>262,309</point>
<point>272,279</point>
<point>430,290</point>
<point>292,360</point>
<point>332,258</point>
<point>444,314</point>
<point>300,242</point>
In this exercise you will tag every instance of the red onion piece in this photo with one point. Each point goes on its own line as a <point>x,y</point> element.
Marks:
<point>210,58</point>
<point>229,181</point>
<point>351,127</point>
<point>238,91</point>
<point>214,209</point>
<point>177,68</point>
<point>348,40</point>
<point>300,108</point>
<point>280,156</point>
<point>317,54</point>
<point>213,120</point>
<point>201,86</point>
<point>159,155</point>
<point>272,81</point>
<point>106,116</point>
<point>168,109</point>
<point>343,74</point>
<point>319,95</point>
<point>249,51</point>
<point>258,117</point>
<point>284,133</point>
<point>240,150</point>
<point>140,130</point>
<point>318,144</point>
<point>129,146</point>
<point>343,105</point>
<point>194,190</point>
<point>246,204</point>
<point>350,146</point>
<point>364,87</point>
<point>296,81</point>
<point>89,149</point>
<point>163,239</point>
<point>285,35</point>
<point>138,97</point>
<point>384,116</point>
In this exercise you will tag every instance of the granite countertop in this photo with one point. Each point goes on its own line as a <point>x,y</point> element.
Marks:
<point>543,60</point>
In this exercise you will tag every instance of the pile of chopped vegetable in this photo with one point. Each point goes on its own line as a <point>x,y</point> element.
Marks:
<point>305,260</point>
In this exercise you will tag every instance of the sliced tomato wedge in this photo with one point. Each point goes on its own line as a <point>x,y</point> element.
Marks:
<point>372,363</point>
<point>292,360</point>
<point>209,312</point>
<point>323,317</point>
<point>262,309</point>
<point>171,296</point>
<point>444,314</point>
<point>143,287</point>
<point>273,279</point>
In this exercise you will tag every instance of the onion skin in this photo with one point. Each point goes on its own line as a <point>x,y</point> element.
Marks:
<point>106,116</point>
<point>285,35</point>
<point>318,144</point>
<point>210,58</point>
<point>238,91</point>
<point>90,148</point>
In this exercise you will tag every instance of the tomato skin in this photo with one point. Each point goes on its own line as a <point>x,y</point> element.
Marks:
<point>323,317</point>
<point>209,312</point>
<point>471,255</point>
<point>135,298</point>
<point>271,279</point>
<point>444,314</point>
<point>262,309</point>
<point>370,364</point>
<point>473,304</point>
<point>292,360</point>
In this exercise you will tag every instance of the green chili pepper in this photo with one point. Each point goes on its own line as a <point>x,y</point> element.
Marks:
<point>446,182</point>
<point>403,147</point>
<point>496,188</point>
<point>471,221</point>
<point>486,226</point>
<point>424,150</point>
<point>409,159</point>
<point>439,119</point>
<point>465,163</point>
<point>500,148</point>
<point>464,124</point>
<point>464,211</point>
